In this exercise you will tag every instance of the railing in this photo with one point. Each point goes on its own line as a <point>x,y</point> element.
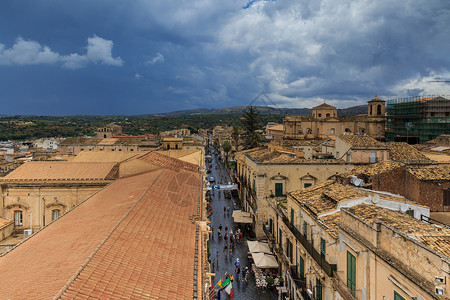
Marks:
<point>343,290</point>
<point>321,261</point>
<point>299,282</point>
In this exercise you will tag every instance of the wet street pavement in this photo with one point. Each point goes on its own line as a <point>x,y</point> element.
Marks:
<point>226,262</point>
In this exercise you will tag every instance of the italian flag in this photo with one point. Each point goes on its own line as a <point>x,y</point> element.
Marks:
<point>229,289</point>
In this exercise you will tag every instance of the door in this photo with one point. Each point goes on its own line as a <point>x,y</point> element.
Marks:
<point>278,189</point>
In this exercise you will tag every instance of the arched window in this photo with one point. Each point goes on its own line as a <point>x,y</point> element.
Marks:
<point>332,130</point>
<point>55,214</point>
<point>370,109</point>
<point>18,221</point>
<point>379,109</point>
<point>308,131</point>
<point>320,115</point>
<point>328,115</point>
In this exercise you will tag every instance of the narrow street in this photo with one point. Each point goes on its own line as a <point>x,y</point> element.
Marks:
<point>226,262</point>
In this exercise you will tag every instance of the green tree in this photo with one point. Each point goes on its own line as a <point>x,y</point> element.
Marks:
<point>226,146</point>
<point>251,124</point>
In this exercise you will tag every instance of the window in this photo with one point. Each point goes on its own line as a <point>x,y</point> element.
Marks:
<point>373,157</point>
<point>289,249</point>
<point>302,268</point>
<point>410,212</point>
<point>447,197</point>
<point>332,130</point>
<point>320,115</point>
<point>292,216</point>
<point>18,218</point>
<point>318,289</point>
<point>337,155</point>
<point>55,214</point>
<point>351,273</point>
<point>379,109</point>
<point>322,248</point>
<point>371,109</point>
<point>307,184</point>
<point>305,229</point>
<point>397,296</point>
<point>278,189</point>
<point>280,238</point>
<point>328,115</point>
<point>271,225</point>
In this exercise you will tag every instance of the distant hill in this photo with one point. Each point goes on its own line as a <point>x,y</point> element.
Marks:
<point>350,111</point>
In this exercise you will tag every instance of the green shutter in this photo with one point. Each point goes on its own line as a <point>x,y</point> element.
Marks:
<point>318,289</point>
<point>397,296</point>
<point>302,268</point>
<point>351,272</point>
<point>278,189</point>
<point>292,216</point>
<point>305,229</point>
<point>280,236</point>
<point>322,247</point>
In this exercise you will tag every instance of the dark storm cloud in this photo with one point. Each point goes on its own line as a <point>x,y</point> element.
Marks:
<point>128,57</point>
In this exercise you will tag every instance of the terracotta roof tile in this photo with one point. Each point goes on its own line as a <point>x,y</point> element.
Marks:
<point>430,173</point>
<point>165,161</point>
<point>361,141</point>
<point>62,170</point>
<point>404,151</point>
<point>133,240</point>
<point>435,238</point>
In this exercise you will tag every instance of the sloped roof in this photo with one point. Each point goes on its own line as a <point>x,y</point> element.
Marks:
<point>165,161</point>
<point>435,238</point>
<point>361,141</point>
<point>324,106</point>
<point>431,173</point>
<point>62,170</point>
<point>372,169</point>
<point>103,156</point>
<point>404,151</point>
<point>267,156</point>
<point>133,239</point>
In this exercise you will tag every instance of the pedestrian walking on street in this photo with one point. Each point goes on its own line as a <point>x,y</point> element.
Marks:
<point>237,263</point>
<point>238,272</point>
<point>226,228</point>
<point>224,210</point>
<point>231,251</point>
<point>217,256</point>
<point>244,274</point>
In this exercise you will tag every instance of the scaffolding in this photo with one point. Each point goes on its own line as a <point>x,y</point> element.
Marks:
<point>417,119</point>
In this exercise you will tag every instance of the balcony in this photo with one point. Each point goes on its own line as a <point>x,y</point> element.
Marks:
<point>300,283</point>
<point>343,290</point>
<point>326,267</point>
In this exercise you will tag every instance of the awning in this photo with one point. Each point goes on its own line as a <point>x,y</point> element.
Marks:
<point>242,217</point>
<point>258,247</point>
<point>263,260</point>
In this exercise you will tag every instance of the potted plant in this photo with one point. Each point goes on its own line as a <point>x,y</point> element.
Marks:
<point>269,280</point>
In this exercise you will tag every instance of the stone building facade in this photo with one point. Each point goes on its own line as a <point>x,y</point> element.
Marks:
<point>324,122</point>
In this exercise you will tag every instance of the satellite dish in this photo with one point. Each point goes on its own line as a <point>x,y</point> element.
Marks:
<point>8,158</point>
<point>403,207</point>
<point>375,199</point>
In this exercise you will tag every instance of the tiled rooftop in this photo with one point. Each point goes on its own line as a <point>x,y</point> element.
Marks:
<point>404,151</point>
<point>132,140</point>
<point>267,156</point>
<point>324,197</point>
<point>361,141</point>
<point>435,238</point>
<point>430,173</point>
<point>103,156</point>
<point>62,170</point>
<point>372,169</point>
<point>133,239</point>
<point>165,161</point>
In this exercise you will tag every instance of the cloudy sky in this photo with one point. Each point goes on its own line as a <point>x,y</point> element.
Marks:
<point>140,57</point>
